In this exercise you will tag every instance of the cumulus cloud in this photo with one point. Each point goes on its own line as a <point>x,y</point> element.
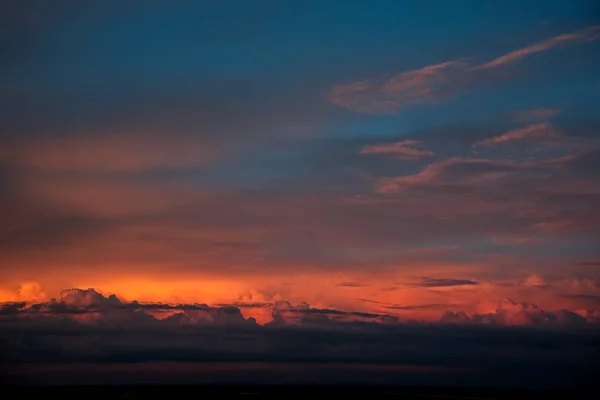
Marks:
<point>87,298</point>
<point>47,333</point>
<point>438,82</point>
<point>90,306</point>
<point>510,312</point>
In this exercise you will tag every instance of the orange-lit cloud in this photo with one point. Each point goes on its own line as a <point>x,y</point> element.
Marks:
<point>423,293</point>
<point>85,326</point>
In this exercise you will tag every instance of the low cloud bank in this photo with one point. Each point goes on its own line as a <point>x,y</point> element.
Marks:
<point>86,327</point>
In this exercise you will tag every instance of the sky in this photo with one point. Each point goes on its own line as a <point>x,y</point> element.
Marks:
<point>348,167</point>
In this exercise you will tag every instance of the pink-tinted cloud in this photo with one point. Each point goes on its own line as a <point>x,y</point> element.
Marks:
<point>536,114</point>
<point>437,82</point>
<point>540,132</point>
<point>90,307</point>
<point>456,169</point>
<point>101,331</point>
<point>591,33</point>
<point>404,150</point>
<point>425,85</point>
<point>510,312</point>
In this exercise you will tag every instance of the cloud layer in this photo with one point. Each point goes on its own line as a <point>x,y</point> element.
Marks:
<point>85,326</point>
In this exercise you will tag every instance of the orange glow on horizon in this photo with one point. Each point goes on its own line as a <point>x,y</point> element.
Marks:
<point>399,297</point>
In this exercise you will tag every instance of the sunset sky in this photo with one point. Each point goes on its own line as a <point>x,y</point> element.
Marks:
<point>381,161</point>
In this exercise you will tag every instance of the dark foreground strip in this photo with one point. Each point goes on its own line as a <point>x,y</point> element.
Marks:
<point>203,392</point>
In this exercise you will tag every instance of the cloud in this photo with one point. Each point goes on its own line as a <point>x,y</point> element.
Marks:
<point>457,170</point>
<point>534,281</point>
<point>540,132</point>
<point>87,298</point>
<point>416,307</point>
<point>119,225</point>
<point>88,306</point>
<point>86,327</point>
<point>587,34</point>
<point>536,114</point>
<point>286,314</point>
<point>440,282</point>
<point>493,186</point>
<point>511,312</point>
<point>438,82</point>
<point>404,150</point>
<point>429,84</point>
<point>352,284</point>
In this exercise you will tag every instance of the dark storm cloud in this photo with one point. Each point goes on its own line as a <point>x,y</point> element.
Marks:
<point>435,282</point>
<point>417,307</point>
<point>594,298</point>
<point>352,284</point>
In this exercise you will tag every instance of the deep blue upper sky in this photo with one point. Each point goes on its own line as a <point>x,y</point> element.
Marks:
<point>88,62</point>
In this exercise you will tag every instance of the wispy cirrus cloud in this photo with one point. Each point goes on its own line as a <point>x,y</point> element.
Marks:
<point>536,114</point>
<point>425,85</point>
<point>352,284</point>
<point>445,282</point>
<point>587,34</point>
<point>438,82</point>
<point>540,132</point>
<point>458,170</point>
<point>404,150</point>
